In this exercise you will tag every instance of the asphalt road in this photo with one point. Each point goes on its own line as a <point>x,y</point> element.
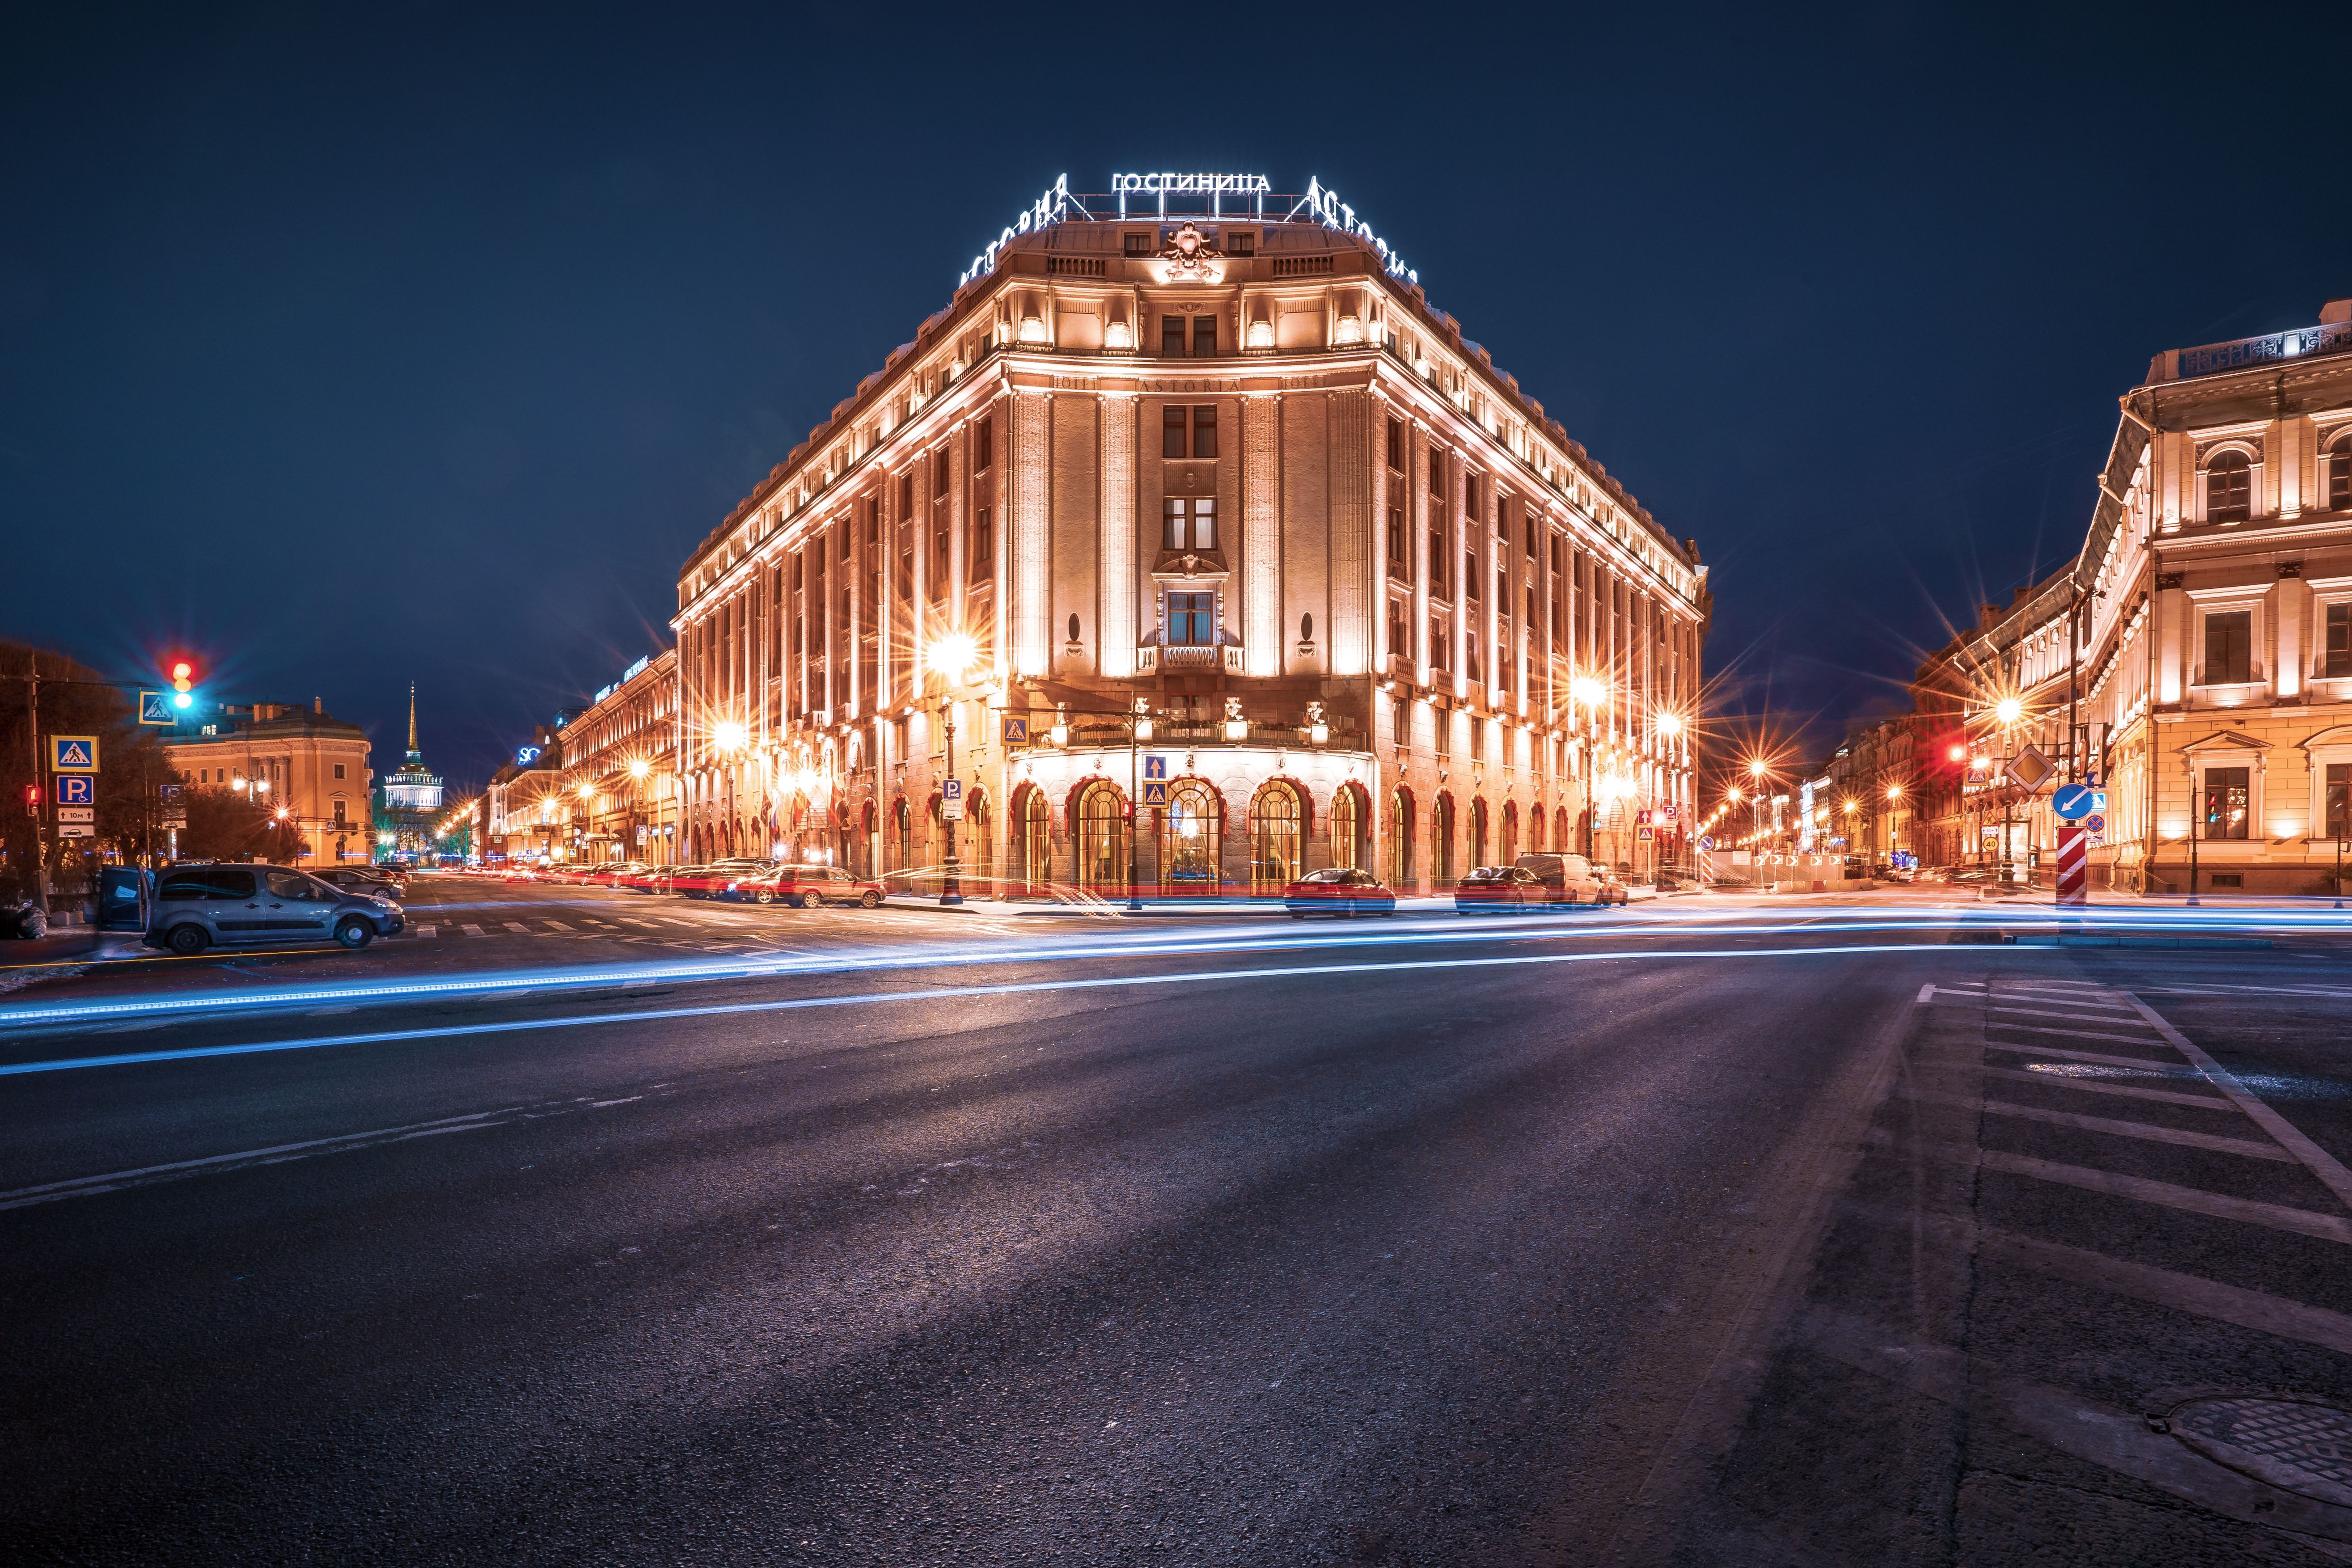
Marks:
<point>1711,1240</point>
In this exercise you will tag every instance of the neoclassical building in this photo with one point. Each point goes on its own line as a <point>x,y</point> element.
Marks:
<point>1211,548</point>
<point>2198,649</point>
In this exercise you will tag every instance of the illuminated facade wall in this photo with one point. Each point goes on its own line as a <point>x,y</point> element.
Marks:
<point>619,779</point>
<point>2214,676</point>
<point>307,764</point>
<point>1236,471</point>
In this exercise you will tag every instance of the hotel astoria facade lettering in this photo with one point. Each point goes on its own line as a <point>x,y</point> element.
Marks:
<point>1221,483</point>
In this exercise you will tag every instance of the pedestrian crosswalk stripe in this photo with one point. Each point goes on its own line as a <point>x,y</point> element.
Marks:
<point>558,925</point>
<point>518,925</point>
<point>471,930</point>
<point>647,924</point>
<point>428,931</point>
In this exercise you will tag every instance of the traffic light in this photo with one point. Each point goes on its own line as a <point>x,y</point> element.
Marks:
<point>183,681</point>
<point>32,800</point>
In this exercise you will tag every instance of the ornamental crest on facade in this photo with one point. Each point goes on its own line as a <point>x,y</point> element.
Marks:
<point>1190,258</point>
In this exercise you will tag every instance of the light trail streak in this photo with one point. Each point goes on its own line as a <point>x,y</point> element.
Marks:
<point>1815,920</point>
<point>953,992</point>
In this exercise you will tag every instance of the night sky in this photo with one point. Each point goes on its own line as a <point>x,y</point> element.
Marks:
<point>407,342</point>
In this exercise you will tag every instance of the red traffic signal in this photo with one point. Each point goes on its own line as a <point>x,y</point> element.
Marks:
<point>32,800</point>
<point>183,680</point>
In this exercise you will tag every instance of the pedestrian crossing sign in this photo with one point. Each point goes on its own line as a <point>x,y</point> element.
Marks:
<point>73,753</point>
<point>1155,791</point>
<point>1016,729</point>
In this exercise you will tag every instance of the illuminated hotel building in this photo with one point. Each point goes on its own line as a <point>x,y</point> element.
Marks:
<point>1203,454</point>
<point>2203,635</point>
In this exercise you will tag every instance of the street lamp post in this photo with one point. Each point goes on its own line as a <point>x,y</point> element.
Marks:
<point>952,656</point>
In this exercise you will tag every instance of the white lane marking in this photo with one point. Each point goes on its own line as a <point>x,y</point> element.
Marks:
<point>2028,1050</point>
<point>2244,1147</point>
<point>518,925</point>
<point>2302,1150</point>
<point>79,1186</point>
<point>2192,1200</point>
<point>471,930</point>
<point>955,993</point>
<point>1930,991</point>
<point>2068,1034</point>
<point>601,1104</point>
<point>2188,1293</point>
<point>558,925</point>
<point>647,924</point>
<point>2071,999</point>
<point>2050,1013</point>
<point>2096,1086</point>
<point>428,931</point>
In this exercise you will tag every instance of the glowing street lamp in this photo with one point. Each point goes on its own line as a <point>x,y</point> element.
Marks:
<point>2009,710</point>
<point>952,656</point>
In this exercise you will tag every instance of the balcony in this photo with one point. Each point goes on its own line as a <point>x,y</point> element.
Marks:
<point>1151,658</point>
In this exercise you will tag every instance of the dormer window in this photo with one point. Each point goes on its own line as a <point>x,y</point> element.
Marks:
<point>1138,244</point>
<point>2339,474</point>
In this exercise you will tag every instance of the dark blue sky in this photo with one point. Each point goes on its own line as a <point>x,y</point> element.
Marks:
<point>409,341</point>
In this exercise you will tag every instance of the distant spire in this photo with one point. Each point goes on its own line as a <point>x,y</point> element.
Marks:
<point>412,718</point>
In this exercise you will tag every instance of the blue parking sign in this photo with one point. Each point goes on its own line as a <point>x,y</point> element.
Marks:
<point>76,789</point>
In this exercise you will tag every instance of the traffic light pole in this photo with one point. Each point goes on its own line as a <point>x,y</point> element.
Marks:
<point>41,888</point>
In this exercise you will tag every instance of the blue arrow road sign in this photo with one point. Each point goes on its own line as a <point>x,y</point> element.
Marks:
<point>76,789</point>
<point>2073,801</point>
<point>1155,768</point>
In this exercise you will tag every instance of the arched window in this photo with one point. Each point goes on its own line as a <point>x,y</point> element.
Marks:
<point>1441,842</point>
<point>2339,475</point>
<point>904,820</point>
<point>1535,829</point>
<point>1347,828</point>
<point>1101,848</point>
<point>1400,867</point>
<point>1032,852</point>
<point>1187,840</point>
<point>1278,838</point>
<point>1478,833</point>
<point>2229,488</point>
<point>1510,832</point>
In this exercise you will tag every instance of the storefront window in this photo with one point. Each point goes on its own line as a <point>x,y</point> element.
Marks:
<point>1187,840</point>
<point>1276,828</point>
<point>2228,803</point>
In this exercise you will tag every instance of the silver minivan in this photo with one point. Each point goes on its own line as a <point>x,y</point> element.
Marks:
<point>197,907</point>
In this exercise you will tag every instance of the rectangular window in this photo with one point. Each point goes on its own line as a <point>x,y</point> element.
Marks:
<point>2336,807</point>
<point>1437,642</point>
<point>1470,660</point>
<point>2338,659</point>
<point>1204,431</point>
<point>1396,444</point>
<point>1470,575</point>
<point>1136,244</point>
<point>1437,561</point>
<point>906,558</point>
<point>1399,634</point>
<point>1441,732</point>
<point>939,474</point>
<point>1171,430</point>
<point>906,495</point>
<point>983,446</point>
<point>1436,474</point>
<point>1192,620</point>
<point>796,571</point>
<point>1204,337</point>
<point>982,563</point>
<point>1171,337</point>
<point>339,814</point>
<point>940,556</point>
<point>1189,523</point>
<point>2228,647</point>
<point>339,770</point>
<point>1399,553</point>
<point>2228,803</point>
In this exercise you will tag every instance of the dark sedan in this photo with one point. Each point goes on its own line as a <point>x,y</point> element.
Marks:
<point>1339,892</point>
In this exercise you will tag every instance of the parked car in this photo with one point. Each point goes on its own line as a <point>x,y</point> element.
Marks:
<point>197,907</point>
<point>359,879</point>
<point>1501,890</point>
<point>806,887</point>
<point>707,881</point>
<point>1573,880</point>
<point>1339,891</point>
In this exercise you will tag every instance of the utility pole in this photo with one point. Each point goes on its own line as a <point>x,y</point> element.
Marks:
<point>41,888</point>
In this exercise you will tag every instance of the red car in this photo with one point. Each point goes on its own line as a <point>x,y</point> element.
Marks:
<point>806,887</point>
<point>1338,892</point>
<point>714,880</point>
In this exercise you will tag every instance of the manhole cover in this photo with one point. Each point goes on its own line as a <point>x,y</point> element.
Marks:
<point>2291,1444</point>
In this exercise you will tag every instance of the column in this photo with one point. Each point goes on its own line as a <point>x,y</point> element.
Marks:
<point>1261,562</point>
<point>1118,582</point>
<point>1025,496</point>
<point>1355,604</point>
